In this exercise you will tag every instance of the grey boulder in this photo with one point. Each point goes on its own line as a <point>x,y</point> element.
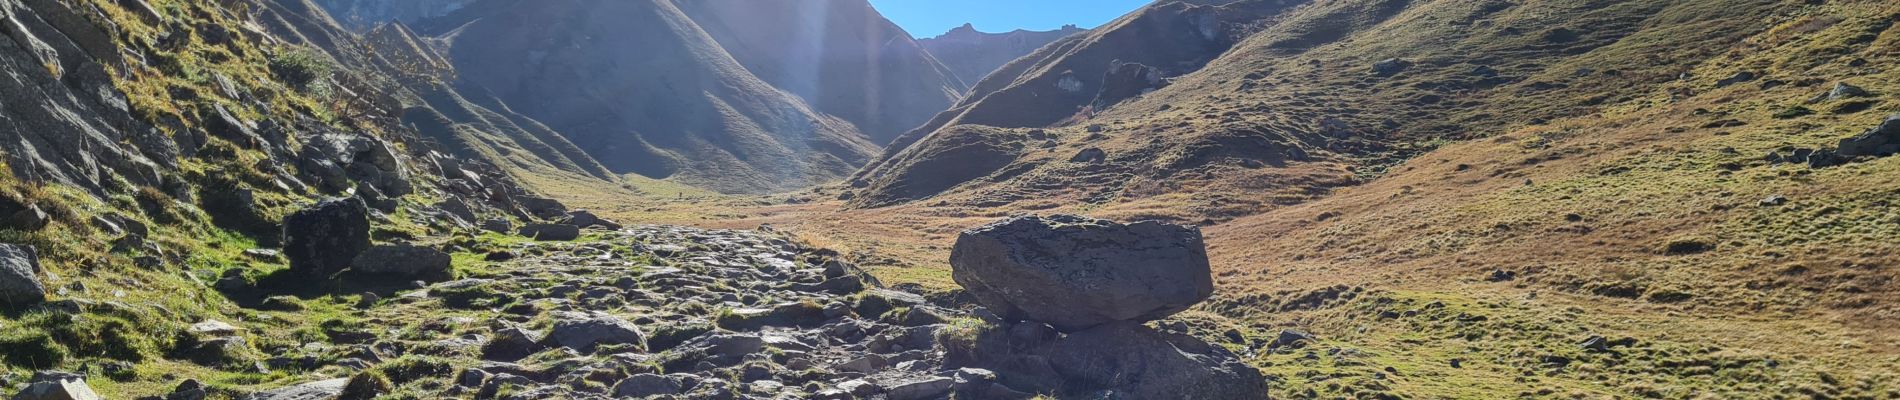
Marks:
<point>1075,273</point>
<point>326,238</point>
<point>19,276</point>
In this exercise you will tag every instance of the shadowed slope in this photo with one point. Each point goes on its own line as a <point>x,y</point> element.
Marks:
<point>660,98</point>
<point>841,57</point>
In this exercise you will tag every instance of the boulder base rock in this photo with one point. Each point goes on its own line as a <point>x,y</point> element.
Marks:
<point>325,238</point>
<point>19,277</point>
<point>1125,358</point>
<point>1140,363</point>
<point>406,261</point>
<point>1075,273</point>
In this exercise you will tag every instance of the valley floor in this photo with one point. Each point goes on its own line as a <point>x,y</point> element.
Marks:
<point>1403,332</point>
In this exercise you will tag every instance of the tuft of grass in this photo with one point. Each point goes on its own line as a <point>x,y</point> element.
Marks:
<point>303,68</point>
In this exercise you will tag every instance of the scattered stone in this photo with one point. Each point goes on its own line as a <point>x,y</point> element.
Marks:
<point>584,332</point>
<point>1090,155</point>
<point>644,385</point>
<point>1293,338</point>
<point>190,389</point>
<point>213,328</point>
<point>1596,344</point>
<point>551,232</point>
<point>319,390</point>
<point>1774,201</point>
<point>406,261</point>
<point>1739,77</point>
<point>32,218</point>
<point>1841,91</point>
<point>511,344</point>
<point>498,225</point>
<point>19,277</point>
<point>60,386</point>
<point>1390,67</point>
<point>585,219</point>
<point>1074,273</point>
<point>325,238</point>
<point>927,388</point>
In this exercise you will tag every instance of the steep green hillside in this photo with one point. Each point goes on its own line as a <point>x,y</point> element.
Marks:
<point>153,149</point>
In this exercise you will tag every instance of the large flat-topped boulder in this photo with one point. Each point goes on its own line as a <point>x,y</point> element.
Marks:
<point>1074,272</point>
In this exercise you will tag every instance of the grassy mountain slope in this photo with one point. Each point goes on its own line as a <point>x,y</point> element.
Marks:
<point>244,129</point>
<point>1460,222</point>
<point>421,84</point>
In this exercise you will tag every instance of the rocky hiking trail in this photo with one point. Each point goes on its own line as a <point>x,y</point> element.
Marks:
<point>674,312</point>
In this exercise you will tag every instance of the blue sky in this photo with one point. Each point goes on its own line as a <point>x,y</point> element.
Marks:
<point>928,18</point>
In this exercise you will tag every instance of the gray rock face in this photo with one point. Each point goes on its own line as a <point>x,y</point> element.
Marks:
<point>1074,273</point>
<point>406,261</point>
<point>19,276</point>
<point>584,332</point>
<point>65,121</point>
<point>325,238</point>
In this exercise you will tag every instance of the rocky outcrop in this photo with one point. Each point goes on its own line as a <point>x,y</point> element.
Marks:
<point>971,55</point>
<point>325,238</point>
<point>19,277</point>
<point>78,129</point>
<point>1075,273</point>
<point>1881,141</point>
